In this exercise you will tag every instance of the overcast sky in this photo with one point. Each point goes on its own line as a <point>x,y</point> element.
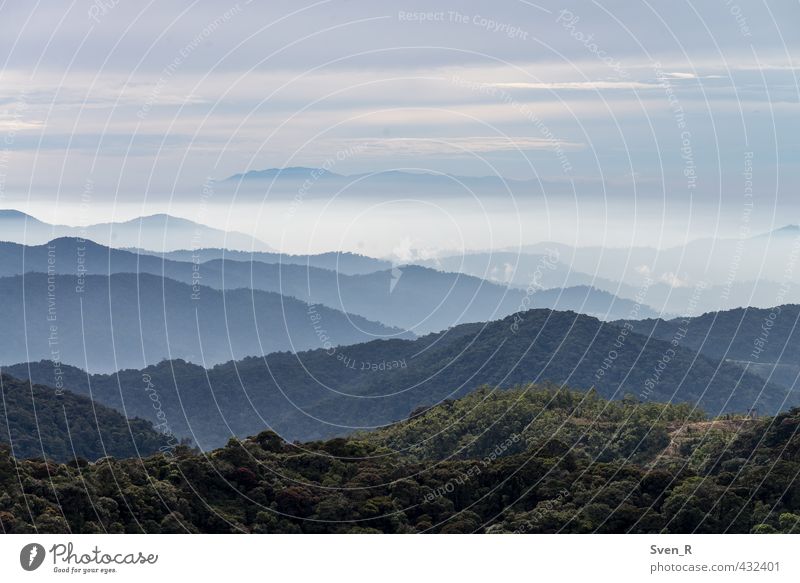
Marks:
<point>146,101</point>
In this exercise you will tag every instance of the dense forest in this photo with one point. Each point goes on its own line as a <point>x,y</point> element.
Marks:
<point>321,394</point>
<point>41,421</point>
<point>536,459</point>
<point>763,341</point>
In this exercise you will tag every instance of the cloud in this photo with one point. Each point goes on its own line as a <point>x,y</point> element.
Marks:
<point>679,75</point>
<point>578,85</point>
<point>673,280</point>
<point>445,145</point>
<point>11,124</point>
<point>277,83</point>
<point>409,250</point>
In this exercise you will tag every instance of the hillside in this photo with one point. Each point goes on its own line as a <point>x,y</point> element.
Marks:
<point>104,323</point>
<point>517,472</point>
<point>40,422</point>
<point>470,427</point>
<point>764,341</point>
<point>749,334</point>
<point>323,393</point>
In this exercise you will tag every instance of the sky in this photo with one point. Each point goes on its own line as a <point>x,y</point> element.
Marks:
<point>670,112</point>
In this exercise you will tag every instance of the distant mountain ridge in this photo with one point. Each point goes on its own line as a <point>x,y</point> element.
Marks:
<point>288,172</point>
<point>161,232</point>
<point>408,297</point>
<point>389,176</point>
<point>127,320</point>
<point>344,262</point>
<point>702,275</point>
<point>722,262</point>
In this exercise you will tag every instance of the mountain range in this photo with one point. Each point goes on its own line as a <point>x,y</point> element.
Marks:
<point>701,276</point>
<point>713,261</point>
<point>341,262</point>
<point>410,297</point>
<point>160,232</point>
<point>733,272</point>
<point>324,393</point>
<point>107,322</point>
<point>389,180</point>
<point>324,345</point>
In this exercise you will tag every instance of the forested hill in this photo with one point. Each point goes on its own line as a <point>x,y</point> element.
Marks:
<point>745,334</point>
<point>324,393</point>
<point>764,341</point>
<point>38,421</point>
<point>533,460</point>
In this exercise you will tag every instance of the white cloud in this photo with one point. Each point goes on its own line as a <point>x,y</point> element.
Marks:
<point>409,250</point>
<point>673,280</point>
<point>451,145</point>
<point>578,85</point>
<point>681,75</point>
